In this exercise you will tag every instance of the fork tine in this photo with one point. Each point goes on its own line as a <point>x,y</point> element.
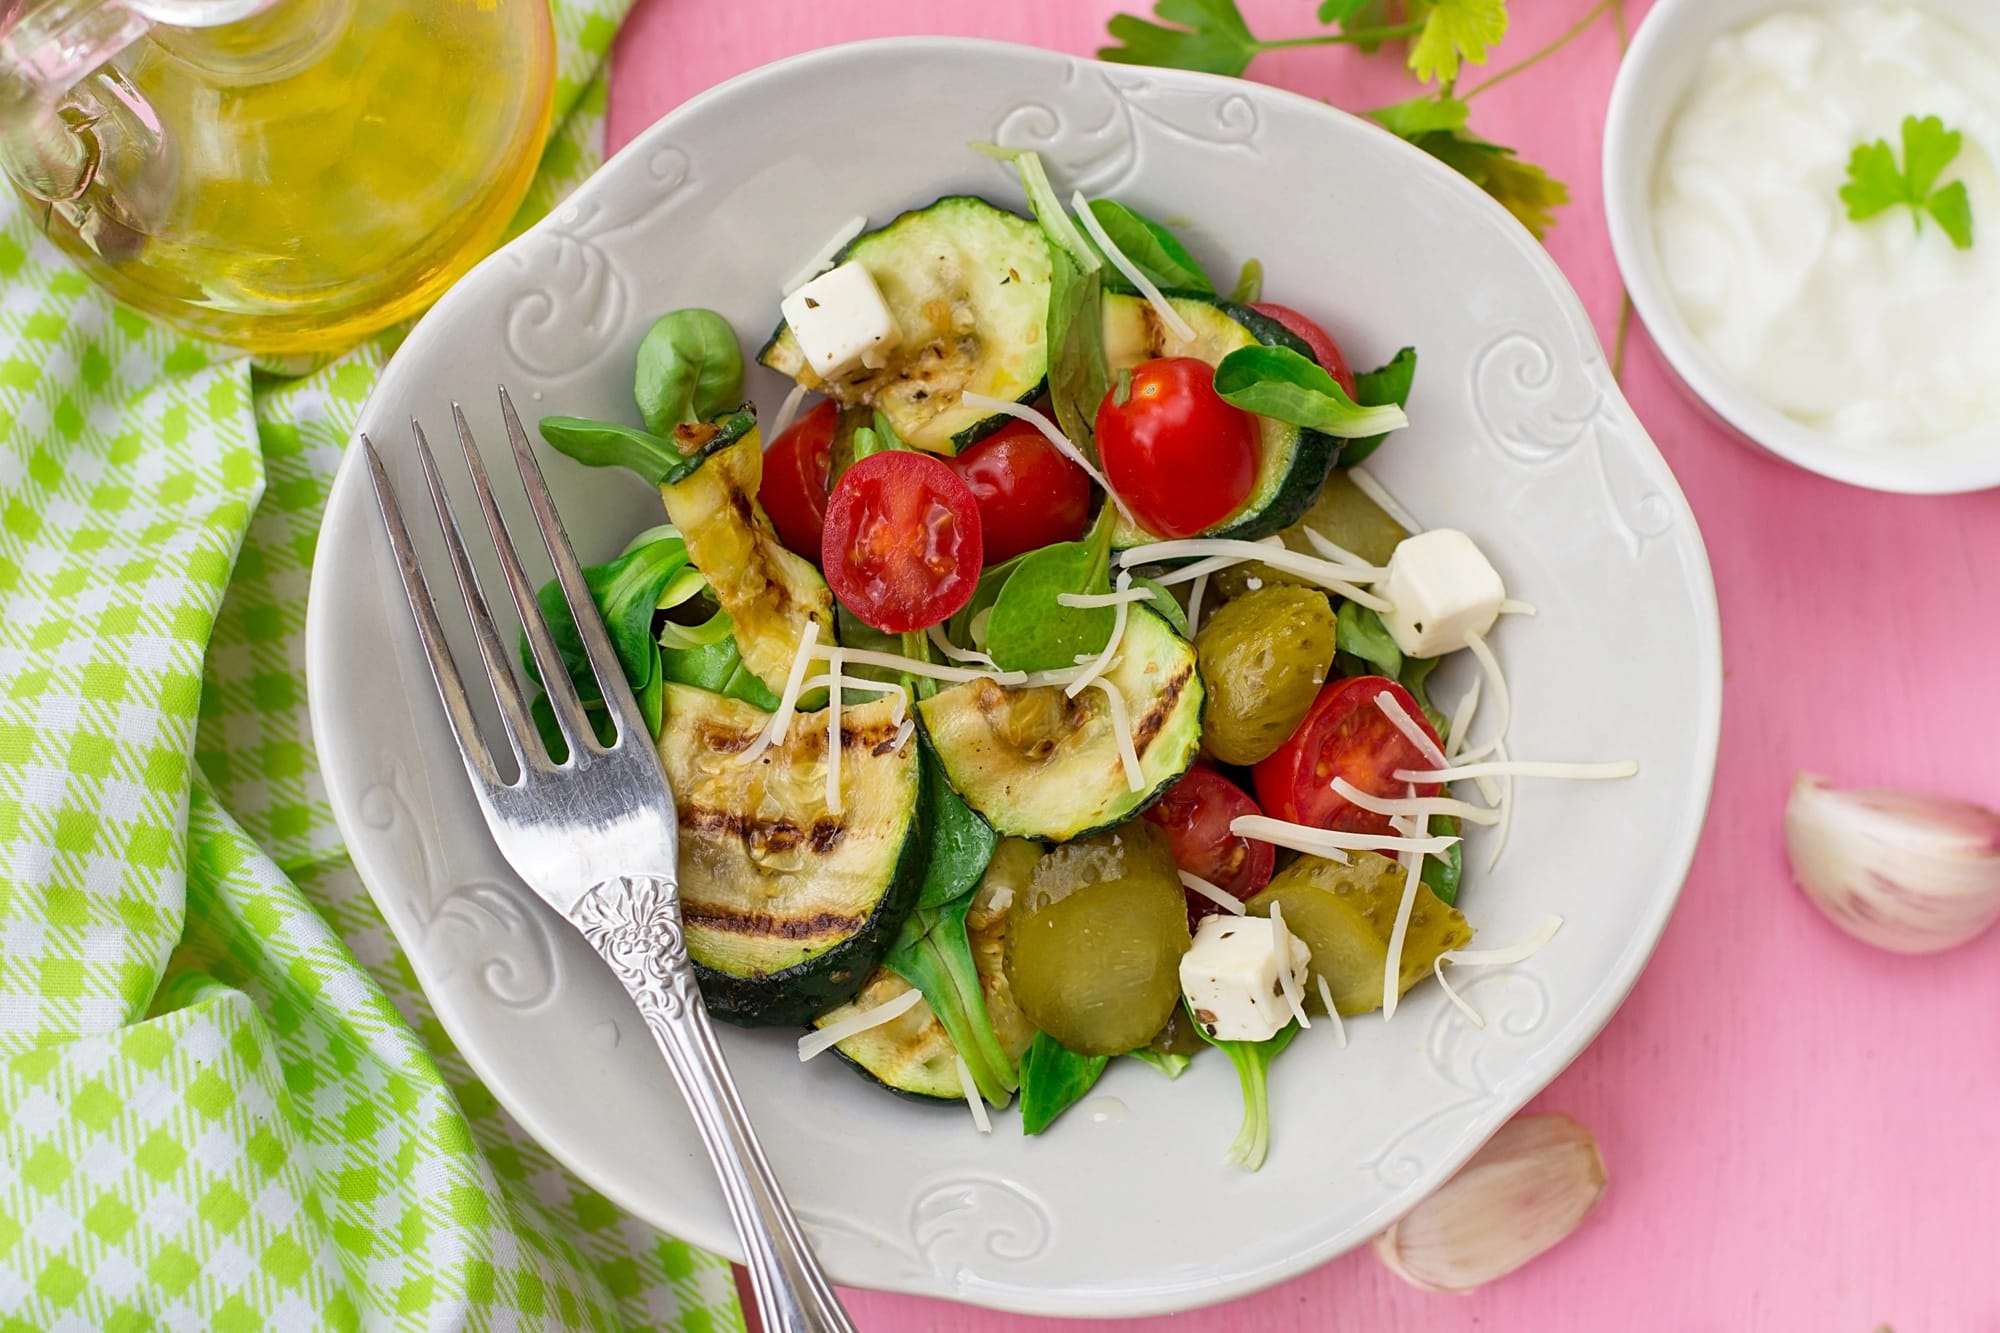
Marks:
<point>582,607</point>
<point>444,671</point>
<point>514,716</point>
<point>563,700</point>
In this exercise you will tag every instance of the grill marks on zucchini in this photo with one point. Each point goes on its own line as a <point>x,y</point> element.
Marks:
<point>789,906</point>
<point>968,283</point>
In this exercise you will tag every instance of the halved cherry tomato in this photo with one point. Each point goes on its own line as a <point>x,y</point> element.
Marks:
<point>793,491</point>
<point>1030,496</point>
<point>902,544</point>
<point>1324,349</point>
<point>1345,734</point>
<point>1195,815</point>
<point>1179,457</point>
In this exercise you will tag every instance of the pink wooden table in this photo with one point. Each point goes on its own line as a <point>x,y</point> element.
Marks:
<point>1798,1129</point>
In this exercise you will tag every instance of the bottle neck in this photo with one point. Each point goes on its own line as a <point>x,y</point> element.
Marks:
<point>268,40</point>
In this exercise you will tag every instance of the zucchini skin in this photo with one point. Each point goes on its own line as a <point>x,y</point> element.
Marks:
<point>1314,455</point>
<point>794,996</point>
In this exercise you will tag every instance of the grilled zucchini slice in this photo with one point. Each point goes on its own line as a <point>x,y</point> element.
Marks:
<point>768,592</point>
<point>1037,764</point>
<point>1291,463</point>
<point>911,1054</point>
<point>968,283</point>
<point>788,906</point>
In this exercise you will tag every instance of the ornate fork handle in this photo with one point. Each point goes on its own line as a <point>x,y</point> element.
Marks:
<point>634,923</point>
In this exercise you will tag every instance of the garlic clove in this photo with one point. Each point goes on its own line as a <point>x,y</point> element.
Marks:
<point>1904,872</point>
<point>1529,1187</point>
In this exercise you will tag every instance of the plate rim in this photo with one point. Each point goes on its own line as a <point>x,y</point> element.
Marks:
<point>1190,1293</point>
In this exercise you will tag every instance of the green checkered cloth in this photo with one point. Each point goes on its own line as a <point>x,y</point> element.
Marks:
<point>224,1104</point>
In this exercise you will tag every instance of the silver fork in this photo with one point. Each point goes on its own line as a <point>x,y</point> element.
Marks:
<point>596,837</point>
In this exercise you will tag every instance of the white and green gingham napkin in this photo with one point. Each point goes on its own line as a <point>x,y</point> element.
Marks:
<point>224,1104</point>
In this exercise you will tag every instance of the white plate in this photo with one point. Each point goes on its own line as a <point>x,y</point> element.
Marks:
<point>1520,437</point>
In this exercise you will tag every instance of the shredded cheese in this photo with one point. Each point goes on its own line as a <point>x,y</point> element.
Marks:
<point>1195,594</point>
<point>1503,705</point>
<point>1050,431</point>
<point>1412,730</point>
<point>942,642</point>
<point>1461,722</point>
<point>1215,893</point>
<point>1331,843</point>
<point>1325,573</point>
<point>1413,875</point>
<point>830,1036</point>
<point>1341,555</point>
<point>1364,481</point>
<point>1506,807</point>
<point>1201,569</point>
<point>1513,953</point>
<point>1121,727</point>
<point>788,411</point>
<point>1054,676</point>
<point>823,260</point>
<point>788,700</point>
<point>1288,983</point>
<point>850,684</point>
<point>912,666</point>
<point>1521,768</point>
<point>1122,613</point>
<point>1326,998</point>
<point>972,1099</point>
<point>1172,318</point>
<point>1092,600</point>
<point>833,805</point>
<point>1414,805</point>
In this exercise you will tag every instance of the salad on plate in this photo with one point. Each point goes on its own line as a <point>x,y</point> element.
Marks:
<point>1053,688</point>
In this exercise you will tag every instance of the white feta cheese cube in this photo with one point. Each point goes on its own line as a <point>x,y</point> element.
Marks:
<point>1442,590</point>
<point>842,323</point>
<point>1231,978</point>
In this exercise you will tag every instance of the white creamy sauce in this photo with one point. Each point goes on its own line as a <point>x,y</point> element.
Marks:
<point>1868,331</point>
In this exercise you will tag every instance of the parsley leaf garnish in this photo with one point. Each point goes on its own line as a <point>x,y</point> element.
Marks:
<point>1444,36</point>
<point>1876,184</point>
<point>1211,37</point>
<point>1454,31</point>
<point>1438,124</point>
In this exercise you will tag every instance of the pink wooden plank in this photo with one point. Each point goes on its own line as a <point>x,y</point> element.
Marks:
<point>1796,1126</point>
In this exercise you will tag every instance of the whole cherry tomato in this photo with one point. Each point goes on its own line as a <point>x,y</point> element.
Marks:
<point>1178,456</point>
<point>1195,815</point>
<point>793,491</point>
<point>1029,494</point>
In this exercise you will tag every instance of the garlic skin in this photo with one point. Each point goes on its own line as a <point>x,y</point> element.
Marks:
<point>1522,1193</point>
<point>1904,872</point>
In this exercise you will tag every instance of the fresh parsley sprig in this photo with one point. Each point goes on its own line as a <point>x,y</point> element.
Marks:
<point>1439,123</point>
<point>1444,36</point>
<point>1876,183</point>
<point>1211,36</point>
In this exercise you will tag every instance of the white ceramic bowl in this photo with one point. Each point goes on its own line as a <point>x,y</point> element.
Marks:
<point>1666,53</point>
<point>1520,438</point>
